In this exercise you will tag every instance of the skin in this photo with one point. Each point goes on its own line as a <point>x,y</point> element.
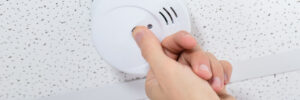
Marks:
<point>180,70</point>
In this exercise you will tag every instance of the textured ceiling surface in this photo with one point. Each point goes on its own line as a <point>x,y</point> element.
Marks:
<point>46,48</point>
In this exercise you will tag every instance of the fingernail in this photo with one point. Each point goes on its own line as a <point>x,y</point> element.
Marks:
<point>217,83</point>
<point>203,68</point>
<point>137,34</point>
<point>225,78</point>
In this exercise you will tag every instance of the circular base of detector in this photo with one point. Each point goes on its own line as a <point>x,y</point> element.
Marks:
<point>113,21</point>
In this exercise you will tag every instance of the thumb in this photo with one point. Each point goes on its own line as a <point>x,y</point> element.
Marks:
<point>151,49</point>
<point>149,44</point>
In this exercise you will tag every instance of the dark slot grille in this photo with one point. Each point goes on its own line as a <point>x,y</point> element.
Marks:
<point>164,17</point>
<point>169,14</point>
<point>174,11</point>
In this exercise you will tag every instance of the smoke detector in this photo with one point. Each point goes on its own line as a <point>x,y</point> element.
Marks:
<point>113,21</point>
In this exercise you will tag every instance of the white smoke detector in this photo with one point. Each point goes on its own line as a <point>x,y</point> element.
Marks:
<point>113,21</point>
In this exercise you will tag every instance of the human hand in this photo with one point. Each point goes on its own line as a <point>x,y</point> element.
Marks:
<point>182,47</point>
<point>167,78</point>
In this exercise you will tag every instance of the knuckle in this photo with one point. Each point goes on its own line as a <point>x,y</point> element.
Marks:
<point>209,54</point>
<point>227,64</point>
<point>198,54</point>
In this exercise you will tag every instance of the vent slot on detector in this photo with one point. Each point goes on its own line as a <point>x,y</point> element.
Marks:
<point>168,12</point>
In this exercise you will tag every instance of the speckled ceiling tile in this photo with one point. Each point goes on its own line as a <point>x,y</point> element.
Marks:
<point>46,48</point>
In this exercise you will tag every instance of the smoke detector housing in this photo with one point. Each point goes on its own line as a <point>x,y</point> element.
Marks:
<point>113,21</point>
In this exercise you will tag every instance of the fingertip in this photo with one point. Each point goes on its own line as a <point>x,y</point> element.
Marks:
<point>227,71</point>
<point>217,84</point>
<point>188,41</point>
<point>138,32</point>
<point>204,72</point>
<point>200,64</point>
